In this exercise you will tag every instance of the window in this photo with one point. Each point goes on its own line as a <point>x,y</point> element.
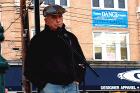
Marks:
<point>17,6</point>
<point>59,2</point>
<point>98,53</point>
<point>110,46</point>
<point>98,48</point>
<point>110,4</point>
<point>123,46</point>
<point>63,2</point>
<point>49,2</point>
<point>95,3</point>
<point>121,3</point>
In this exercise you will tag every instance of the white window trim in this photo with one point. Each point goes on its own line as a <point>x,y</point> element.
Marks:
<point>68,3</point>
<point>128,47</point>
<point>101,6</point>
<point>58,3</point>
<point>117,45</point>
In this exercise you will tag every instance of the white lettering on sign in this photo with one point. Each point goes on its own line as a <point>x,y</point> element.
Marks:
<point>110,14</point>
<point>119,87</point>
<point>109,87</point>
<point>128,87</point>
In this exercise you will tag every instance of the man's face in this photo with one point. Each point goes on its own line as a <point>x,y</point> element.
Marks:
<point>54,21</point>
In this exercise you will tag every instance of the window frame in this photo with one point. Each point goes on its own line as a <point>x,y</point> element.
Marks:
<point>116,6</point>
<point>58,3</point>
<point>117,46</point>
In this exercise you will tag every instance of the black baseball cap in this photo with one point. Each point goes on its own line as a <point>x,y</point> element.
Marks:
<point>53,10</point>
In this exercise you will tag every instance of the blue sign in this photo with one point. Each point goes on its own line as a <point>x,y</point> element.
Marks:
<point>110,18</point>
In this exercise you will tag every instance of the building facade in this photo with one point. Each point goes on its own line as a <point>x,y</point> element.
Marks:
<point>108,30</point>
<point>10,20</point>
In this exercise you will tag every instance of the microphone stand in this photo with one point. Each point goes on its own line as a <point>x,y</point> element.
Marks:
<point>85,63</point>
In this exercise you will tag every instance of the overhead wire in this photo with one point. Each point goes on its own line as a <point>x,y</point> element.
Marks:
<point>18,17</point>
<point>90,19</point>
<point>11,25</point>
<point>80,14</point>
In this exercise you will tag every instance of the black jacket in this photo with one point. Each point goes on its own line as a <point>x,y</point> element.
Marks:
<point>50,58</point>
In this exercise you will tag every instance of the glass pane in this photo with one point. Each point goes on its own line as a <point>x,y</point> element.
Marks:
<point>97,39</point>
<point>98,53</point>
<point>123,53</point>
<point>123,40</point>
<point>110,53</point>
<point>110,39</point>
<point>49,2</point>
<point>109,3</point>
<point>63,2</point>
<point>95,3</point>
<point>121,3</point>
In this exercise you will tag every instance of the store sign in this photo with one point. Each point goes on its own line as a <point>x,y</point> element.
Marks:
<point>113,79</point>
<point>110,79</point>
<point>110,18</point>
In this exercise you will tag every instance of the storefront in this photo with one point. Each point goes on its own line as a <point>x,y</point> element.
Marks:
<point>113,76</point>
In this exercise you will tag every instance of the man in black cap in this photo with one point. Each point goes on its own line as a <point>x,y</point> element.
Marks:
<point>54,61</point>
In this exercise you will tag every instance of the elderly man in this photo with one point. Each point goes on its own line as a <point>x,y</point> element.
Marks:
<point>51,64</point>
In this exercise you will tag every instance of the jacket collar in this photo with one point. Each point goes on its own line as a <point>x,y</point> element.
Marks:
<point>59,30</point>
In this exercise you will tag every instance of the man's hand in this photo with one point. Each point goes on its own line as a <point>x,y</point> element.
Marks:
<point>81,65</point>
<point>76,82</point>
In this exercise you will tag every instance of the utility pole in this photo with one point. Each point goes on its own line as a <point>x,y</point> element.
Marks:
<point>25,42</point>
<point>37,15</point>
<point>25,35</point>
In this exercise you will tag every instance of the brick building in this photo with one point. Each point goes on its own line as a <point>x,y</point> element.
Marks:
<point>106,31</point>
